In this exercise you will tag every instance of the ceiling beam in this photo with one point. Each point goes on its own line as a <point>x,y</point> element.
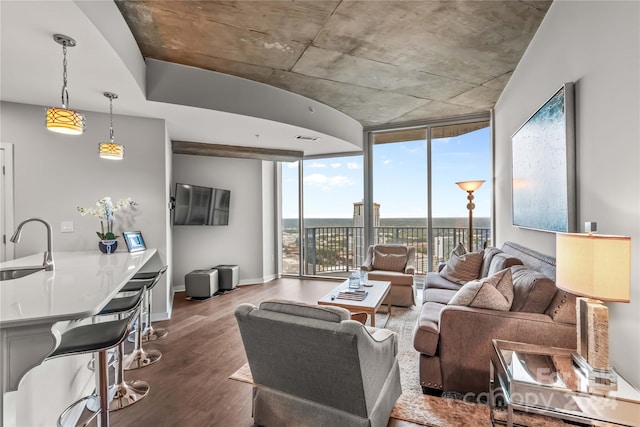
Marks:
<point>220,150</point>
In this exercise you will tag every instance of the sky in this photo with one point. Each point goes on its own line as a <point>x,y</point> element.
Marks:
<point>332,185</point>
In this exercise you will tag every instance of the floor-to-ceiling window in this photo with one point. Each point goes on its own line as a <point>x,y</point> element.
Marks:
<point>459,153</point>
<point>399,183</point>
<point>332,223</point>
<point>290,221</point>
<point>413,178</point>
<point>414,199</point>
<point>322,231</point>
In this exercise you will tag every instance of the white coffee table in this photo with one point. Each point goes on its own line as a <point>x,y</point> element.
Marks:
<point>375,295</point>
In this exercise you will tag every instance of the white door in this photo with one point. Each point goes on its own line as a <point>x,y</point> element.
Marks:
<point>6,201</point>
<point>3,215</point>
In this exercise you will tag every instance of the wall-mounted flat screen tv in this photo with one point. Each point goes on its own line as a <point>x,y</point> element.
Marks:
<point>197,205</point>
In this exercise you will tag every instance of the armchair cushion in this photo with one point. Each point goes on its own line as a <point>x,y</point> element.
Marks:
<point>397,278</point>
<point>493,293</point>
<point>389,261</point>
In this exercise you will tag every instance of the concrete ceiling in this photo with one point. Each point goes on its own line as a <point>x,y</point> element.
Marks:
<point>379,62</point>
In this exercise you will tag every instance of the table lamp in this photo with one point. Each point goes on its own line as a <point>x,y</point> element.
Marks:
<point>596,268</point>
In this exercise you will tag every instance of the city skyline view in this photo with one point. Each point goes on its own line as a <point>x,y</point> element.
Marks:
<point>333,185</point>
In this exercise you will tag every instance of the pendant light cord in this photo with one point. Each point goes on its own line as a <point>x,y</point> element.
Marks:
<point>111,118</point>
<point>65,91</point>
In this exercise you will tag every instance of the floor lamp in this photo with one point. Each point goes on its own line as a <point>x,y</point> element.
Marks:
<point>470,187</point>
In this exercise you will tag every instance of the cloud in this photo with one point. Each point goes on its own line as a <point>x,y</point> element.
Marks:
<point>386,162</point>
<point>316,165</point>
<point>292,165</point>
<point>336,165</point>
<point>353,165</point>
<point>326,182</point>
<point>340,181</point>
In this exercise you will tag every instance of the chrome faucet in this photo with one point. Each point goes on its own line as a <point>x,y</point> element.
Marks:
<point>48,255</point>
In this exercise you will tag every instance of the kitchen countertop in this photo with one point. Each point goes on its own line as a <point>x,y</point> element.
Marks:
<point>80,285</point>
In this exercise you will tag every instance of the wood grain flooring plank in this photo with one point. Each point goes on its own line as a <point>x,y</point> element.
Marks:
<point>190,385</point>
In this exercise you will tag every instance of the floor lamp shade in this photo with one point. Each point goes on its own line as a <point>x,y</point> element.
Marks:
<point>595,267</point>
<point>470,185</point>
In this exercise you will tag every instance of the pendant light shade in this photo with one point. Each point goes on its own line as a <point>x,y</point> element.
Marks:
<point>110,150</point>
<point>63,120</point>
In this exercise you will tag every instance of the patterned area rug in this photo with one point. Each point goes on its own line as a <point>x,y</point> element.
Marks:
<point>415,407</point>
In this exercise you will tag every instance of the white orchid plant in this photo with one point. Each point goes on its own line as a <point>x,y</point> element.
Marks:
<point>104,210</point>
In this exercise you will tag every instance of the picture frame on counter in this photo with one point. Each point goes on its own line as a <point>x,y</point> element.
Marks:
<point>134,241</point>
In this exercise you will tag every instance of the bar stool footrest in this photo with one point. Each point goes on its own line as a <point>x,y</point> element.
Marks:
<point>89,415</point>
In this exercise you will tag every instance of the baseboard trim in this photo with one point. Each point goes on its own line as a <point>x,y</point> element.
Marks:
<point>269,278</point>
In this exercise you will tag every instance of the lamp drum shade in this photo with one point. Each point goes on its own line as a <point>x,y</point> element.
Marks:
<point>111,151</point>
<point>594,265</point>
<point>65,121</point>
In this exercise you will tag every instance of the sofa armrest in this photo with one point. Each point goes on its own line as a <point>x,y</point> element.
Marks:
<point>410,268</point>
<point>465,341</point>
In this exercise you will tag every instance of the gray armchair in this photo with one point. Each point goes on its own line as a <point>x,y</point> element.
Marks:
<point>313,366</point>
<point>395,264</point>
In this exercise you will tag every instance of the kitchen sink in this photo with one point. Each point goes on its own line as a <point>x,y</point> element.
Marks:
<point>16,273</point>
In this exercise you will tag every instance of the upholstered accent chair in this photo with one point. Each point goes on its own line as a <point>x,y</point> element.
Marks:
<point>314,366</point>
<point>396,264</point>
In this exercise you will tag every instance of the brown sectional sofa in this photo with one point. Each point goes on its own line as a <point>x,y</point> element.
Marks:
<point>455,341</point>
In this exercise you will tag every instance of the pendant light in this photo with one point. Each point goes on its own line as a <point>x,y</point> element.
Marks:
<point>110,150</point>
<point>63,120</point>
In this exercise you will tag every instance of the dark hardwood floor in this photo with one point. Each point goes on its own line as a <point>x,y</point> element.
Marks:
<point>190,385</point>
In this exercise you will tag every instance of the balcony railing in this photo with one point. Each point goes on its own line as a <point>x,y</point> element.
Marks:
<point>341,249</point>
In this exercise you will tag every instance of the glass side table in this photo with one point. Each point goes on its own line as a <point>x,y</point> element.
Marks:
<point>543,380</point>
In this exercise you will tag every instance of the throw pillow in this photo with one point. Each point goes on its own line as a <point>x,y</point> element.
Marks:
<point>533,291</point>
<point>462,266</point>
<point>493,293</point>
<point>389,262</point>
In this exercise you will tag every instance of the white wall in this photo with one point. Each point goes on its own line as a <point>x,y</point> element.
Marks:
<point>595,44</point>
<point>268,220</point>
<point>242,241</point>
<point>184,85</point>
<point>53,175</point>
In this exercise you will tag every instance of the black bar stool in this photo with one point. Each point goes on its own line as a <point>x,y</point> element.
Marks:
<point>127,392</point>
<point>139,357</point>
<point>149,334</point>
<point>96,337</point>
